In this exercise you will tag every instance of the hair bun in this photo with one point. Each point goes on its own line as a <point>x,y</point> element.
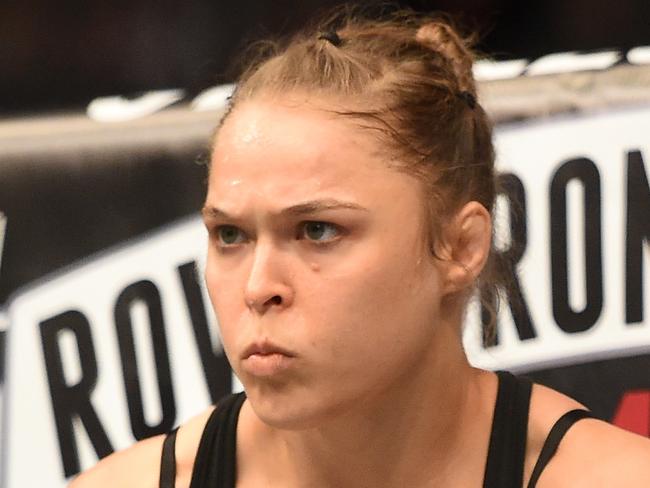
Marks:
<point>441,38</point>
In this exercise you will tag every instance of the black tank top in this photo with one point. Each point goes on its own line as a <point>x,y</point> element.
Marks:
<point>215,463</point>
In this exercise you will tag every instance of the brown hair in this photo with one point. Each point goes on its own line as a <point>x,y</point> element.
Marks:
<point>408,77</point>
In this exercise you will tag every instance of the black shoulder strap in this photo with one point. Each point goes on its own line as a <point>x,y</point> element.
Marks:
<point>168,461</point>
<point>553,440</point>
<point>215,462</point>
<point>168,456</point>
<point>504,467</point>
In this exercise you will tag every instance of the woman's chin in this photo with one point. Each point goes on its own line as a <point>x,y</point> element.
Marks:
<point>292,411</point>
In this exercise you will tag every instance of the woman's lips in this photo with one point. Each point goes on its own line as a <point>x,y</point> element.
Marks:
<point>265,365</point>
<point>264,359</point>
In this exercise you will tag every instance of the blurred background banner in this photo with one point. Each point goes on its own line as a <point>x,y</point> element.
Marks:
<point>106,332</point>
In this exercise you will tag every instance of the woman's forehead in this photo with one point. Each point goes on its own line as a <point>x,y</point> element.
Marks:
<point>290,153</point>
<point>305,127</point>
<point>260,139</point>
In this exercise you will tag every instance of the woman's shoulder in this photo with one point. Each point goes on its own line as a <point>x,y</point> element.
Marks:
<point>592,453</point>
<point>139,464</point>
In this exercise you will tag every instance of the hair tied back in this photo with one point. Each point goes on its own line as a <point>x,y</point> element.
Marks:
<point>468,98</point>
<point>332,37</point>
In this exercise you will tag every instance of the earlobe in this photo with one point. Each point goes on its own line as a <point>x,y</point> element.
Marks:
<point>469,239</point>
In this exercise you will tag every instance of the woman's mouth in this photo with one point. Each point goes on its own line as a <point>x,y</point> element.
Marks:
<point>265,359</point>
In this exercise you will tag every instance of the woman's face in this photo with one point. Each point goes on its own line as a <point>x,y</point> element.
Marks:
<point>316,267</point>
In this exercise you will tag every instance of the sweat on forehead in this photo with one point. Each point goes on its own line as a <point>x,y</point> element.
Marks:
<point>252,125</point>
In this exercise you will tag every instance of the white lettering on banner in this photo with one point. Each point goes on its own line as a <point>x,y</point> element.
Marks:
<point>639,55</point>
<point>115,350</point>
<point>571,62</point>
<point>487,70</point>
<point>124,346</point>
<point>556,63</point>
<point>582,304</point>
<point>119,109</point>
<point>214,98</point>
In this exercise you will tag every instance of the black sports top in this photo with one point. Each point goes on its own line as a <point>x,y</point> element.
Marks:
<point>215,466</point>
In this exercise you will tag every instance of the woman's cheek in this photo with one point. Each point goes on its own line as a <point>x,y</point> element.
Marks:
<point>385,303</point>
<point>361,312</point>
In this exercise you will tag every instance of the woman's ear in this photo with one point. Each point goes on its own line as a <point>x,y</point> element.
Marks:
<point>468,239</point>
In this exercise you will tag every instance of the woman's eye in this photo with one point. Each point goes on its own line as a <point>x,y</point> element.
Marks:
<point>229,235</point>
<point>320,231</point>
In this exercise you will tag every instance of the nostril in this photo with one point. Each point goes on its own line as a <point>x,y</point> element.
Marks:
<point>277,300</point>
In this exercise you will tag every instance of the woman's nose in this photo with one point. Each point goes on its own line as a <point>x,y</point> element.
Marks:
<point>267,285</point>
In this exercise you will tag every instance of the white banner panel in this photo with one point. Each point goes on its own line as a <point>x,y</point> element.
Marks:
<point>585,182</point>
<point>109,352</point>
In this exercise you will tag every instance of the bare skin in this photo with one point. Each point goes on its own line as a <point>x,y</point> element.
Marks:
<point>374,388</point>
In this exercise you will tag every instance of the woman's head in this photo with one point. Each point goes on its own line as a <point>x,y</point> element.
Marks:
<point>347,214</point>
<point>408,80</point>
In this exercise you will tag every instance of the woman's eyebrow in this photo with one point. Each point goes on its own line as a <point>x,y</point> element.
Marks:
<point>304,208</point>
<point>314,206</point>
